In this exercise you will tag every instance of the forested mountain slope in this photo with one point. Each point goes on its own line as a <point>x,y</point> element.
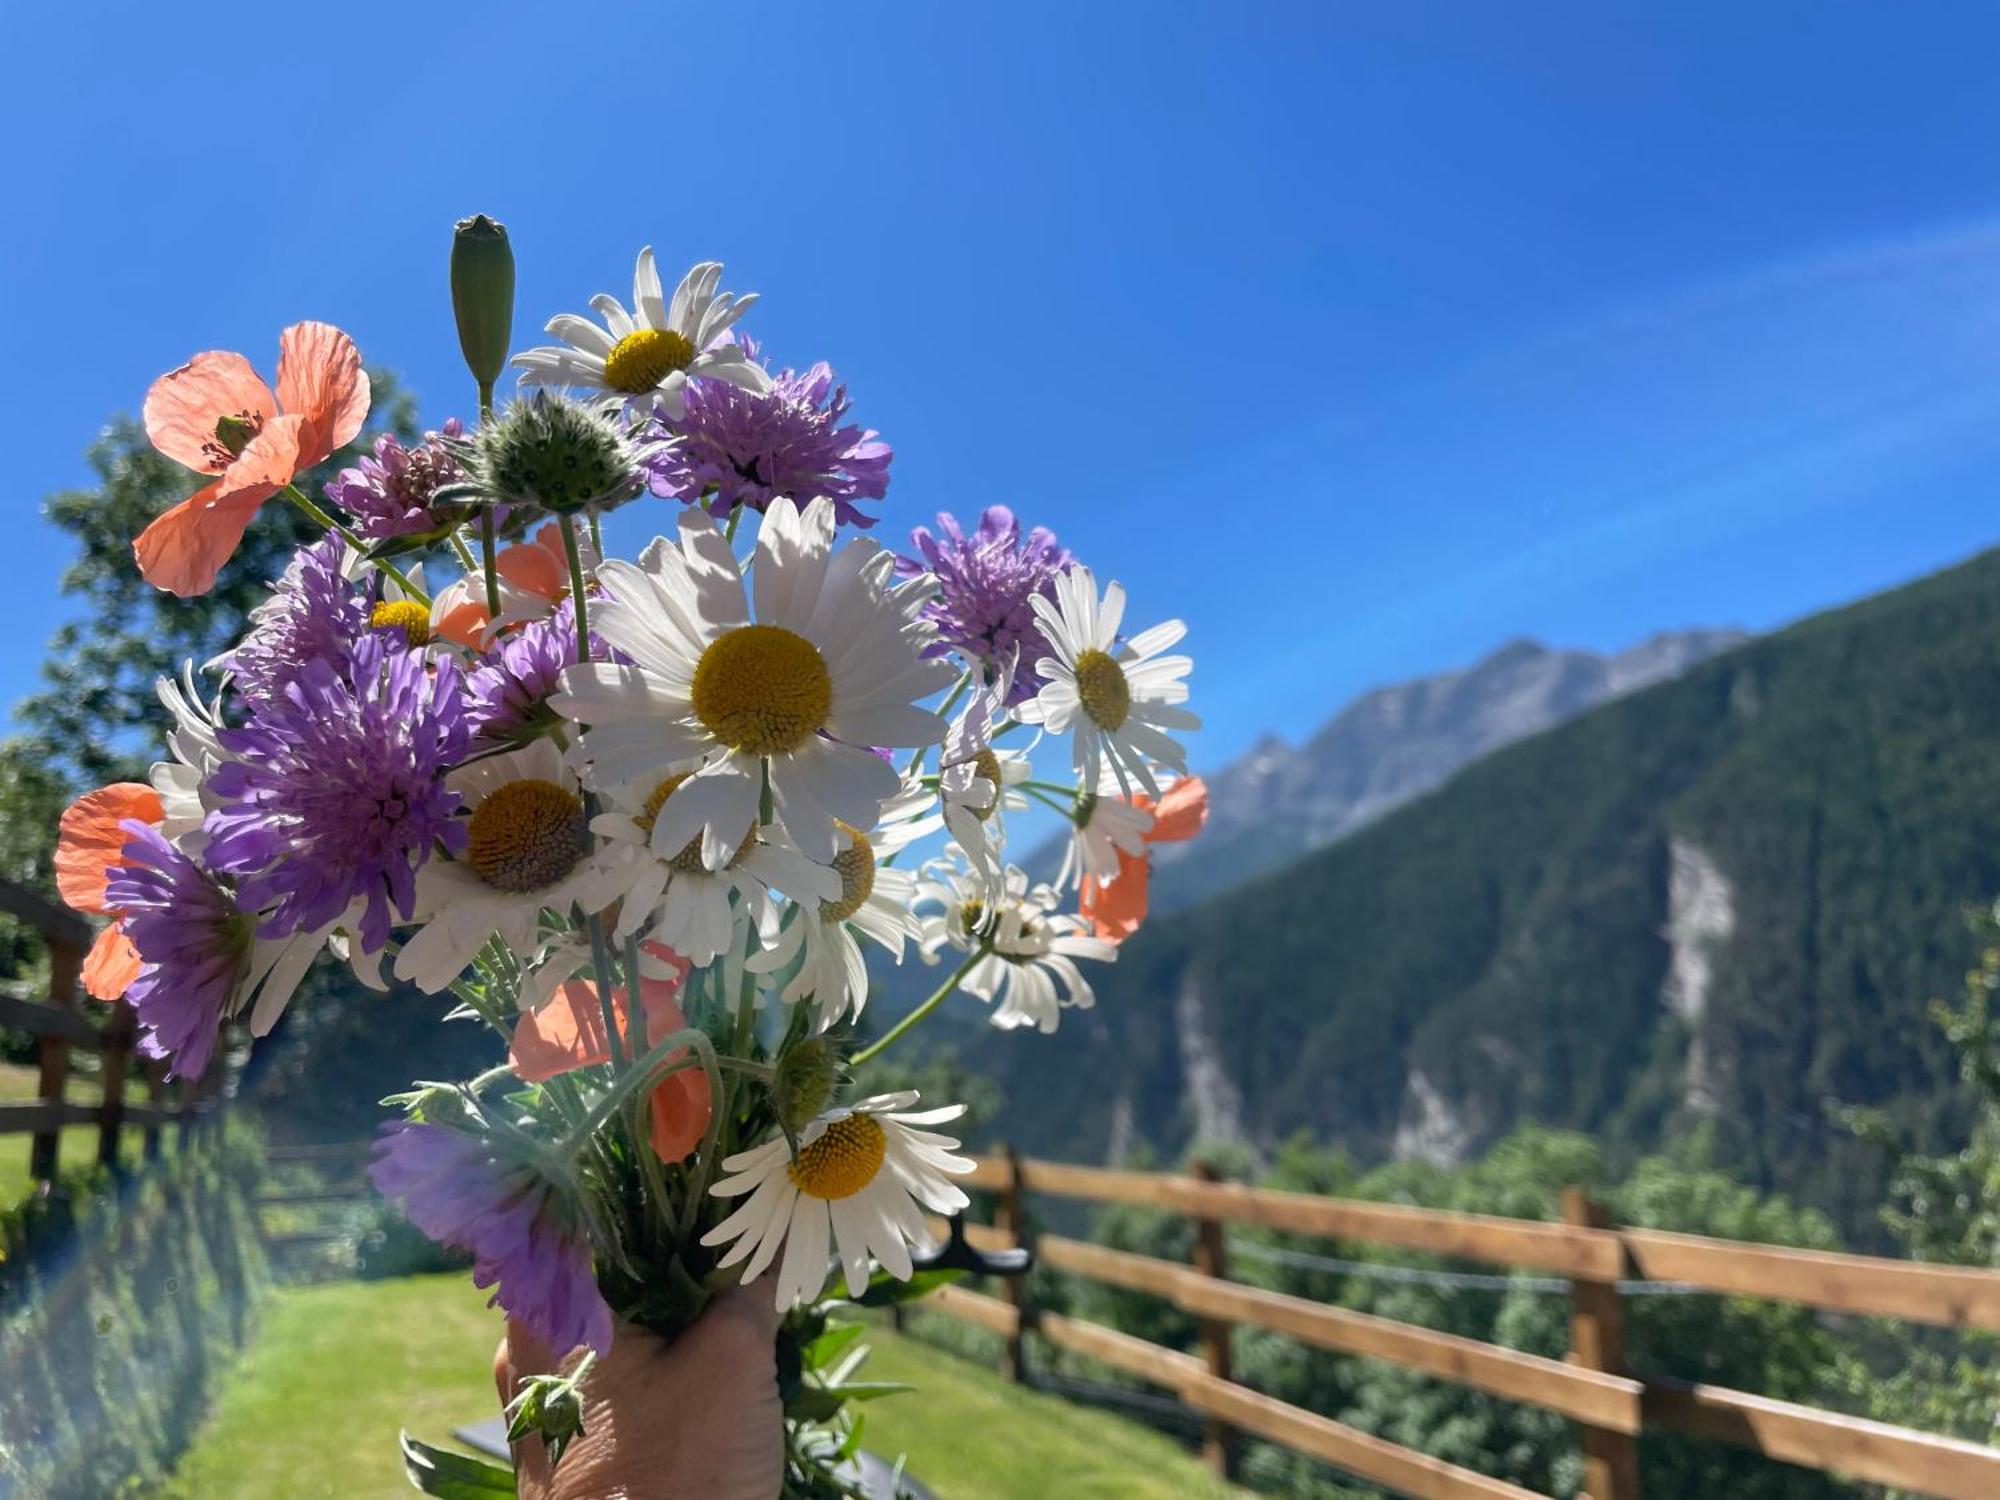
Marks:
<point>1726,899</point>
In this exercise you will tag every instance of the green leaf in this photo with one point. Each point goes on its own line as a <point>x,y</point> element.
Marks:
<point>454,1476</point>
<point>871,1390</point>
<point>829,1346</point>
<point>851,1444</point>
<point>813,1404</point>
<point>886,1291</point>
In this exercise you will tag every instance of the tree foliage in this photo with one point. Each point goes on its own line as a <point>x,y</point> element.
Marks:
<point>1946,1207</point>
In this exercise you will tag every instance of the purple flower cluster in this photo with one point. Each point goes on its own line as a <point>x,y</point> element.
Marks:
<point>984,584</point>
<point>390,493</point>
<point>456,1192</point>
<point>335,791</point>
<point>743,449</point>
<point>313,614</point>
<point>504,694</point>
<point>194,942</point>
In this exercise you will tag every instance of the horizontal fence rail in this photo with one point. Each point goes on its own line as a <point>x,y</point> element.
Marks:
<point>1591,1386</point>
<point>60,1028</point>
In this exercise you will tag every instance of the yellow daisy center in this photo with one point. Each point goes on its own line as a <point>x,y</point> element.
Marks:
<point>856,864</point>
<point>525,836</point>
<point>843,1161</point>
<point>987,765</point>
<point>406,615</point>
<point>1101,684</point>
<point>644,357</point>
<point>688,861</point>
<point>761,689</point>
<point>972,914</point>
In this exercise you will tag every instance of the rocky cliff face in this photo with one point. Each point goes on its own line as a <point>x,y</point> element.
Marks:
<point>1393,744</point>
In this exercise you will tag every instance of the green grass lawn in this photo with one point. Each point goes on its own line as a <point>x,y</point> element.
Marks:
<point>314,1407</point>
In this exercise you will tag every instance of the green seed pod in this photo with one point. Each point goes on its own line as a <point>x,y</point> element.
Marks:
<point>555,453</point>
<point>482,295</point>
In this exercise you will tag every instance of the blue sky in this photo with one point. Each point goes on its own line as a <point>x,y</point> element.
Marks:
<point>1363,337</point>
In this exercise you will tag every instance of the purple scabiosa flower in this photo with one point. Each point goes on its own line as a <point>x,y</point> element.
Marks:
<point>313,614</point>
<point>335,792</point>
<point>200,959</point>
<point>389,494</point>
<point>456,1190</point>
<point>505,693</point>
<point>742,448</point>
<point>984,584</point>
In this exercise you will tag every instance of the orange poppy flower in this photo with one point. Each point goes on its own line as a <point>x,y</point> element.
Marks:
<point>568,1033</point>
<point>89,844</point>
<point>1115,908</point>
<point>216,415</point>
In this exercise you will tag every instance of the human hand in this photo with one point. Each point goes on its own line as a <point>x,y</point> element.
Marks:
<point>697,1419</point>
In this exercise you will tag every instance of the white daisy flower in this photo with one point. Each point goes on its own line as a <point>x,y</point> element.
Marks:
<point>527,849</point>
<point>1100,828</point>
<point>1028,950</point>
<point>1120,697</point>
<point>196,751</point>
<point>974,777</point>
<point>873,899</point>
<point>831,664</point>
<point>678,900</point>
<point>650,352</point>
<point>862,1177</point>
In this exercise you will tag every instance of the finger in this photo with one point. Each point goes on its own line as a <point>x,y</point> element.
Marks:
<point>503,1372</point>
<point>530,1355</point>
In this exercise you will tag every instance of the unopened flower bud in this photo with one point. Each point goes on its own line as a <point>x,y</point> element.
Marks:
<point>804,1084</point>
<point>482,295</point>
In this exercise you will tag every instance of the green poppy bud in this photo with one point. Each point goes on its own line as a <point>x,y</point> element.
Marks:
<point>482,295</point>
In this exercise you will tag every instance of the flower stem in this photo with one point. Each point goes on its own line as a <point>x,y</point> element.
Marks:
<point>600,965</point>
<point>319,517</point>
<point>576,591</point>
<point>647,1070</point>
<point>938,997</point>
<point>1071,792</point>
<point>459,550</point>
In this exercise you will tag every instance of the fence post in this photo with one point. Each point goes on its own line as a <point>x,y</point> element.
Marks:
<point>117,1056</point>
<point>1010,1214</point>
<point>156,1096</point>
<point>52,1056</point>
<point>1211,1258</point>
<point>1597,1342</point>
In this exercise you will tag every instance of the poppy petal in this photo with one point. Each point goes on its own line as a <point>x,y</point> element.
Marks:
<point>89,842</point>
<point>186,546</point>
<point>320,378</point>
<point>111,965</point>
<point>183,405</point>
<point>1182,811</point>
<point>682,1106</point>
<point>565,1034</point>
<point>271,459</point>
<point>1115,909</point>
<point>540,568</point>
<point>463,622</point>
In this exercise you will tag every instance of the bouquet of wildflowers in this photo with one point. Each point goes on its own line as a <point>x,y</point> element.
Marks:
<point>641,817</point>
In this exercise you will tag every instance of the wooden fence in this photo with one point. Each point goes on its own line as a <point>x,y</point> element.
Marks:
<point>1591,1386</point>
<point>60,1029</point>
